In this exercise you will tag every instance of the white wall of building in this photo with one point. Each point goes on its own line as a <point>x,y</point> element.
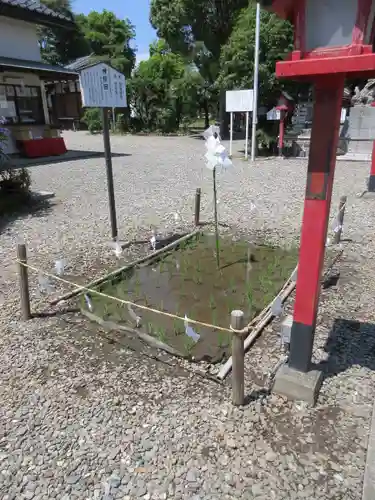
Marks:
<point>18,40</point>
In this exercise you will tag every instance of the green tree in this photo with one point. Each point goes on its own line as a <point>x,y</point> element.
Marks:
<point>198,29</point>
<point>99,33</point>
<point>237,55</point>
<point>109,39</point>
<point>56,45</point>
<point>163,89</point>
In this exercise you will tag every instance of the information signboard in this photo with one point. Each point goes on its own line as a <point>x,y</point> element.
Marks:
<point>102,87</point>
<point>239,101</point>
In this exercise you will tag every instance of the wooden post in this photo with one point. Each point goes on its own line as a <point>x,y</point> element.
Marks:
<point>340,219</point>
<point>237,322</point>
<point>197,206</point>
<point>24,282</point>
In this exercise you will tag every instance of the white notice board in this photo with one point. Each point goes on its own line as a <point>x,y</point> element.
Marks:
<point>102,87</point>
<point>239,101</point>
<point>273,114</point>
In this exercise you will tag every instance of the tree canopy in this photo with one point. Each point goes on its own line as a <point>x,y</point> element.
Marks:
<point>163,88</point>
<point>58,47</point>
<point>109,39</point>
<point>237,55</point>
<point>203,48</point>
<point>99,33</point>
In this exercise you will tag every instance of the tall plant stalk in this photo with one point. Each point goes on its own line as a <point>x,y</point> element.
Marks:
<point>216,221</point>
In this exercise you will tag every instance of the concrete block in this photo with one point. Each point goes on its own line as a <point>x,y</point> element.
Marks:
<point>286,328</point>
<point>298,386</point>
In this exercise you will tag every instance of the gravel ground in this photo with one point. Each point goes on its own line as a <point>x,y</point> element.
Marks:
<point>82,417</point>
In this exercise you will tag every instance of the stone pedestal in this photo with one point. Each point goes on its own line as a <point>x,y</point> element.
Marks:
<point>298,386</point>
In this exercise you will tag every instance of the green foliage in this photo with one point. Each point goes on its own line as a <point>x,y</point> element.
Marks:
<point>121,125</point>
<point>92,119</point>
<point>204,48</point>
<point>101,34</point>
<point>109,39</point>
<point>184,23</point>
<point>14,189</point>
<point>14,184</point>
<point>56,45</point>
<point>237,55</point>
<point>198,30</point>
<point>163,89</point>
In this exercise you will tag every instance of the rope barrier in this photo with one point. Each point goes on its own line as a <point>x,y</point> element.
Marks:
<point>122,301</point>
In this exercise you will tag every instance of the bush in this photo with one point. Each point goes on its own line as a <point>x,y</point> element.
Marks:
<point>14,184</point>
<point>93,120</point>
<point>121,123</point>
<point>14,190</point>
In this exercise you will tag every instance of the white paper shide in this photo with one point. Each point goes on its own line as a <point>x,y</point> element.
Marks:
<point>216,155</point>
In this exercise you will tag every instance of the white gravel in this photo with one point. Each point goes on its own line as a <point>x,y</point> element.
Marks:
<point>81,418</point>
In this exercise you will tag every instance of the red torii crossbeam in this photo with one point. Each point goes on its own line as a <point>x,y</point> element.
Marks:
<point>333,41</point>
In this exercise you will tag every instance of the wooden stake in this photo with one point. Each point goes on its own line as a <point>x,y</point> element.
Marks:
<point>216,220</point>
<point>197,206</point>
<point>340,219</point>
<point>237,321</point>
<point>24,282</point>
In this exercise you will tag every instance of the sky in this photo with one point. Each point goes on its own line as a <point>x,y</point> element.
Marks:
<point>136,10</point>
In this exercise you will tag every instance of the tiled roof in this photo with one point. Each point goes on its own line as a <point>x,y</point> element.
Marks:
<point>33,7</point>
<point>82,63</point>
<point>38,67</point>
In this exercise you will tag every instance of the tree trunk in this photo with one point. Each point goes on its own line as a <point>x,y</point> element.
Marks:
<point>206,114</point>
<point>224,117</point>
<point>178,113</point>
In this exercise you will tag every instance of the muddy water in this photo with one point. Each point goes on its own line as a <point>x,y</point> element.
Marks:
<point>188,281</point>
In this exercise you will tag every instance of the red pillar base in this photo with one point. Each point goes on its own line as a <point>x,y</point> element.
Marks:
<point>320,175</point>
<point>371,184</point>
<point>371,179</point>
<point>301,346</point>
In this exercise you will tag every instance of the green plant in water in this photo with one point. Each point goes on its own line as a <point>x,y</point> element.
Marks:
<point>233,287</point>
<point>189,345</point>
<point>137,287</point>
<point>213,317</point>
<point>178,327</point>
<point>263,282</point>
<point>198,267</point>
<point>250,298</point>
<point>145,300</point>
<point>150,328</point>
<point>161,334</point>
<point>212,302</point>
<point>161,266</point>
<point>223,339</point>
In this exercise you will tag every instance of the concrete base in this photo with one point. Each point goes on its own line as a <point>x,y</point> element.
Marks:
<point>361,157</point>
<point>298,386</point>
<point>367,195</point>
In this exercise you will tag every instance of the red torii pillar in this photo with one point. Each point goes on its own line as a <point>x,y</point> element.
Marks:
<point>320,175</point>
<point>341,48</point>
<point>371,179</point>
